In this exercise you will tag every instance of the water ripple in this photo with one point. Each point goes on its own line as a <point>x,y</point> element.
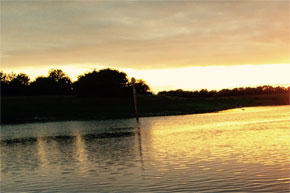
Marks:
<point>231,151</point>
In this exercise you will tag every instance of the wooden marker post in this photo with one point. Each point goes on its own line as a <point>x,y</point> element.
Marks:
<point>133,80</point>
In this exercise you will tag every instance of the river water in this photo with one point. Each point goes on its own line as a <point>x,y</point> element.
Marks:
<point>231,151</point>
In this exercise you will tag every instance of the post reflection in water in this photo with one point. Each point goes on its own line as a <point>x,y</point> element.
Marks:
<point>229,151</point>
<point>140,146</point>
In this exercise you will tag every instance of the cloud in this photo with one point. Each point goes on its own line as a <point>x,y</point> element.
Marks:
<point>145,34</point>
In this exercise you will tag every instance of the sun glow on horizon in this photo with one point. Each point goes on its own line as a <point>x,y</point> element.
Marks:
<point>216,77</point>
<point>187,45</point>
<point>186,78</point>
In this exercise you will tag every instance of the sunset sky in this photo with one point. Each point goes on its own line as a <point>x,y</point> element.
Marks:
<point>171,44</point>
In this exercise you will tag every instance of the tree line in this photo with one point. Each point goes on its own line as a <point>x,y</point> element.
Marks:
<point>227,92</point>
<point>102,83</point>
<point>107,83</point>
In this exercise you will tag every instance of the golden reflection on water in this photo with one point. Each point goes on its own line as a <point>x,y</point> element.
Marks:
<point>42,152</point>
<point>48,152</point>
<point>238,150</point>
<point>81,153</point>
<point>241,137</point>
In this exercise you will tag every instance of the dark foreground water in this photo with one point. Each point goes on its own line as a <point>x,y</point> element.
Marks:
<point>237,150</point>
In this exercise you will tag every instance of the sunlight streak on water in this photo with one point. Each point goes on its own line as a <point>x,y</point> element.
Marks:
<point>236,150</point>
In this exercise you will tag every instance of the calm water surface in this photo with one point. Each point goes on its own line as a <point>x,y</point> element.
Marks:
<point>237,150</point>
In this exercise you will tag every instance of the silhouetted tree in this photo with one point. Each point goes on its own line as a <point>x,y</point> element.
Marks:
<point>21,79</point>
<point>19,84</point>
<point>58,75</point>
<point>112,83</point>
<point>56,83</point>
<point>106,82</point>
<point>3,78</point>
<point>4,83</point>
<point>63,82</point>
<point>12,84</point>
<point>142,88</point>
<point>227,92</point>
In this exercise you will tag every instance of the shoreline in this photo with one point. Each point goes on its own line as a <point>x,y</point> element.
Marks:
<point>33,109</point>
<point>47,120</point>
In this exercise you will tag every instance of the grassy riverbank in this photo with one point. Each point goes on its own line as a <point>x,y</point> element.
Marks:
<point>58,108</point>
